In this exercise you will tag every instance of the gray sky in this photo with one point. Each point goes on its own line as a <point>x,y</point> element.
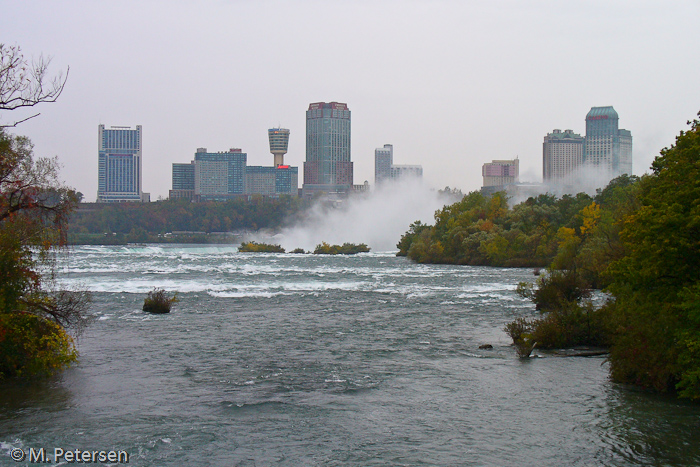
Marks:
<point>451,84</point>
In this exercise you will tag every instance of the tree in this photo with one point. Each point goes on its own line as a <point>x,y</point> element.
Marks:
<point>24,83</point>
<point>34,312</point>
<point>656,283</point>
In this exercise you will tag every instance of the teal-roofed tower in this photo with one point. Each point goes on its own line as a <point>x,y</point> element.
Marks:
<point>607,147</point>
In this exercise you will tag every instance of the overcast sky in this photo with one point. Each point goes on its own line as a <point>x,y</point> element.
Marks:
<point>451,84</point>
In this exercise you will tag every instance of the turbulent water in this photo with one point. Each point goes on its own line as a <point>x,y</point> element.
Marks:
<point>305,360</point>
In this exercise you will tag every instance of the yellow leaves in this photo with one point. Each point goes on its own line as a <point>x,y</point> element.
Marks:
<point>591,217</point>
<point>568,243</point>
<point>566,236</point>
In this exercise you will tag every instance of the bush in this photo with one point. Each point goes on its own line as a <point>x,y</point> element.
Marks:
<point>344,249</point>
<point>520,331</point>
<point>254,247</point>
<point>158,301</point>
<point>298,251</point>
<point>555,290</point>
<point>33,346</point>
<point>571,326</point>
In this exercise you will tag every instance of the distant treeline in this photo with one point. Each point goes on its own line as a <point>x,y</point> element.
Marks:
<point>483,231</point>
<point>145,222</point>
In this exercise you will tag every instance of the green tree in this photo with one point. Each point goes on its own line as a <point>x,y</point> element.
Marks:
<point>656,283</point>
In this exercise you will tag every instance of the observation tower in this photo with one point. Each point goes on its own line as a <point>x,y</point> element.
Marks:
<point>279,142</point>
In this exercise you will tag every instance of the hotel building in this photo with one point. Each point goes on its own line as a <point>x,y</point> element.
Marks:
<point>119,164</point>
<point>562,155</point>
<point>607,148</point>
<point>328,168</point>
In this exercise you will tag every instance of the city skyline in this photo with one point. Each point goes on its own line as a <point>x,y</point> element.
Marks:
<point>477,73</point>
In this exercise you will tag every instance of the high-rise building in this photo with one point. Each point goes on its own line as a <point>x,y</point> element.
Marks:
<point>383,160</point>
<point>328,167</point>
<point>607,148</point>
<point>119,164</point>
<point>219,175</point>
<point>279,142</point>
<point>500,173</point>
<point>183,181</point>
<point>562,155</point>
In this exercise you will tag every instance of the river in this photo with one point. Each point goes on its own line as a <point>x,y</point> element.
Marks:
<point>307,360</point>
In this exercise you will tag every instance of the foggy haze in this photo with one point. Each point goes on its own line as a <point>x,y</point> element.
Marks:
<point>583,179</point>
<point>378,218</point>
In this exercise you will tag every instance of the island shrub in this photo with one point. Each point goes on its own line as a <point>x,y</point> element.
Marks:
<point>158,301</point>
<point>555,290</point>
<point>298,251</point>
<point>520,331</point>
<point>344,249</point>
<point>255,247</point>
<point>570,325</point>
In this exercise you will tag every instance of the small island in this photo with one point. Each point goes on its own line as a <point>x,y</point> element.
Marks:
<point>344,249</point>
<point>255,247</point>
<point>158,301</point>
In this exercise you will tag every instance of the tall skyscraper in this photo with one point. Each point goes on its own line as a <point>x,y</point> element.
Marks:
<point>279,142</point>
<point>383,160</point>
<point>119,164</point>
<point>328,167</point>
<point>562,155</point>
<point>607,147</point>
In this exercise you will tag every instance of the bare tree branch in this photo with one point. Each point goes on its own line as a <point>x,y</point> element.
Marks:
<point>26,84</point>
<point>20,121</point>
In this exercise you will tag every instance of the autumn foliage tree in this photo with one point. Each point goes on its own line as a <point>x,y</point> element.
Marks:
<point>35,313</point>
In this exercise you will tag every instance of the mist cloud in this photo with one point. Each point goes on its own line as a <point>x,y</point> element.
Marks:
<point>378,218</point>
